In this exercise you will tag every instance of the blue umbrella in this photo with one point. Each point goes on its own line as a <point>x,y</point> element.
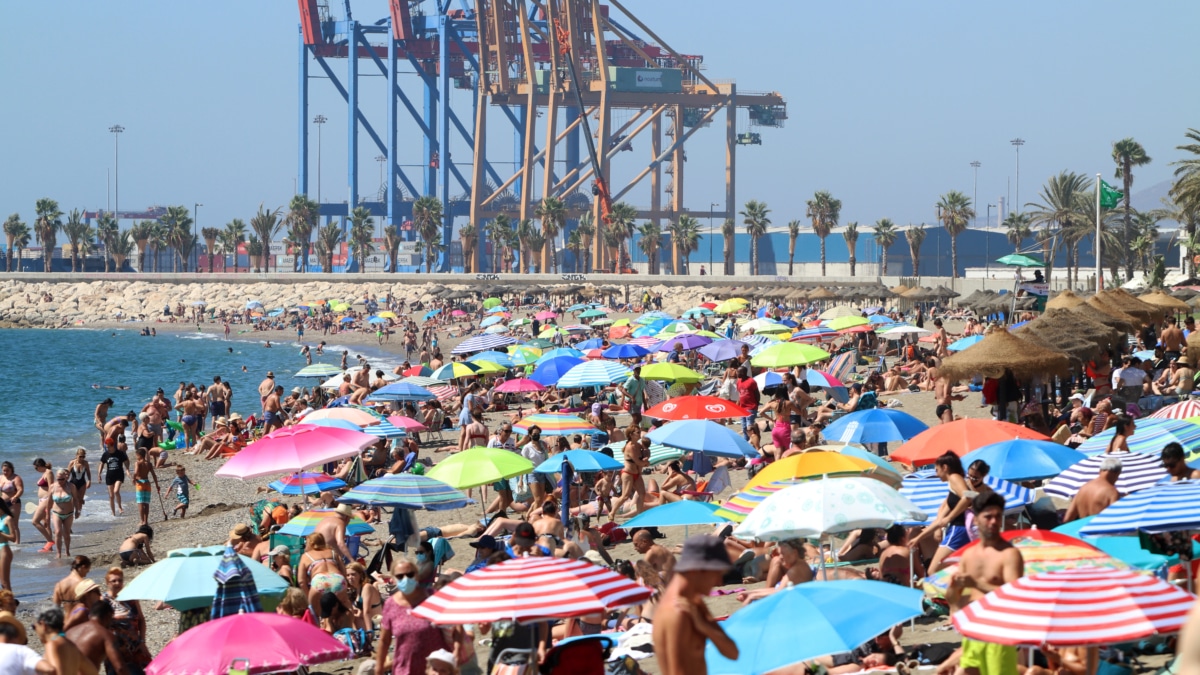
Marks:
<point>1021,459</point>
<point>593,374</point>
<point>401,391</point>
<point>789,323</point>
<point>430,314</point>
<point>254,304</point>
<point>697,312</point>
<point>593,343</point>
<point>1169,507</point>
<point>555,353</point>
<point>703,436</point>
<point>1126,549</point>
<point>832,616</point>
<point>491,321</point>
<point>346,319</point>
<point>675,514</point>
<point>548,373</point>
<point>879,319</point>
<point>275,312</point>
<point>959,345</point>
<point>384,429</point>
<point>856,451</point>
<point>407,491</point>
<point>497,309</point>
<point>722,350</point>
<point>584,461</point>
<point>236,590</point>
<point>577,307</point>
<point>1150,436</point>
<point>307,483</point>
<point>928,492</point>
<point>377,319</point>
<point>625,351</point>
<point>185,578</point>
<point>877,425</point>
<point>651,317</point>
<point>499,358</point>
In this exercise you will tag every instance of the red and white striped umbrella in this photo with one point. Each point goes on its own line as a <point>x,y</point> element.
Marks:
<point>443,392</point>
<point>525,589</point>
<point>1179,411</point>
<point>647,342</point>
<point>1076,607</point>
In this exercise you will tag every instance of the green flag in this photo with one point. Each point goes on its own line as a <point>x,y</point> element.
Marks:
<point>1109,196</point>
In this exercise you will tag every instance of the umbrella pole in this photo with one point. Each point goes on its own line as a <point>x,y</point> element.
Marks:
<point>912,623</point>
<point>821,551</point>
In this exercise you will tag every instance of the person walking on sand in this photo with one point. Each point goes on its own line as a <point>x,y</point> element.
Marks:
<point>273,410</point>
<point>101,416</point>
<point>218,398</point>
<point>113,464</point>
<point>12,487</point>
<point>62,508</point>
<point>143,471</point>
<point>266,387</point>
<point>181,487</point>
<point>7,538</point>
<point>682,622</point>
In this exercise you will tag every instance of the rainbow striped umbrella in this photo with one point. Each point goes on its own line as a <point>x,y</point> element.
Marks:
<point>409,491</point>
<point>456,369</point>
<point>555,424</point>
<point>306,523</point>
<point>737,507</point>
<point>306,483</point>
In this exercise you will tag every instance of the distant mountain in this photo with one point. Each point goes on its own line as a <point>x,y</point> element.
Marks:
<point>1151,198</point>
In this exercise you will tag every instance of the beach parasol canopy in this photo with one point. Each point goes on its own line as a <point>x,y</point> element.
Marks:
<point>321,370</point>
<point>1138,472</point>
<point>1169,507</point>
<point>356,416</point>
<point>687,341</point>
<point>1024,459</point>
<point>1160,298</point>
<point>457,369</point>
<point>1126,549</point>
<point>1000,351</point>
<point>483,343</point>
<point>624,351</point>
<point>294,449</point>
<point>236,591</point>
<point>594,374</point>
<point>959,437</point>
<point>401,391</point>
<point>811,464</point>
<point>844,322</point>
<point>1078,607</point>
<point>788,354</point>
<point>268,642</point>
<point>306,523</point>
<point>1149,436</point>
<point>408,491</point>
<point>556,424</point>
<point>479,466</point>
<point>306,483</point>
<point>833,617</point>
<point>1065,300</point>
<point>676,514</point>
<point>1020,260</point>
<point>406,423</point>
<point>703,436</point>
<point>722,350</point>
<point>1178,411</point>
<point>828,506</point>
<point>520,385</point>
<point>877,425</point>
<point>583,461</point>
<point>550,372</point>
<point>671,372</point>
<point>696,408</point>
<point>185,578</point>
<point>737,507</point>
<point>928,492</point>
<point>528,589</point>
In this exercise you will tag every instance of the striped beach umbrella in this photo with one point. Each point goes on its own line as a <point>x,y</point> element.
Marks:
<point>321,370</point>
<point>1078,607</point>
<point>526,589</point>
<point>1168,507</point>
<point>409,491</point>
<point>548,373</point>
<point>555,424</point>
<point>1149,436</point>
<point>1178,411</point>
<point>927,491</point>
<point>818,334</point>
<point>385,429</point>
<point>444,392</point>
<point>457,369</point>
<point>737,507</point>
<point>422,380</point>
<point>306,523</point>
<point>659,453</point>
<point>402,391</point>
<point>1138,472</point>
<point>306,483</point>
<point>493,356</point>
<point>483,343</point>
<point>561,351</point>
<point>650,343</point>
<point>594,374</point>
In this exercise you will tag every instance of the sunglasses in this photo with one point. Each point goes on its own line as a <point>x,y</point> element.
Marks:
<point>410,575</point>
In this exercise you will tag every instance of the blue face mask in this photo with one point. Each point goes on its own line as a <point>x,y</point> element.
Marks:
<point>406,585</point>
<point>421,557</point>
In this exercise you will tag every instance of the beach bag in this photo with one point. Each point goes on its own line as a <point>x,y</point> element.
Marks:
<point>520,488</point>
<point>354,638</point>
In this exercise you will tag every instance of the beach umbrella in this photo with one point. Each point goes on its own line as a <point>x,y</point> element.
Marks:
<point>1002,351</point>
<point>495,357</point>
<point>540,343</point>
<point>722,350</point>
<point>483,343</point>
<point>1078,607</point>
<point>688,341</point>
<point>529,589</point>
<point>407,491</point>
<point>236,590</point>
<point>593,374</point>
<point>593,314</point>
<point>556,353</point>
<point>254,304</point>
<point>1168,507</point>
<point>832,385</point>
<point>763,326</point>
<point>737,507</point>
<point>184,578</point>
<point>898,332</point>
<point>696,408</point>
<point>624,351</point>
<point>525,356</point>
<point>844,322</point>
<point>491,303</point>
<point>406,423</point>
<point>430,314</point>
<point>332,423</point>
<point>354,415</point>
<point>346,319</point>
<point>672,372</point>
<point>928,492</point>
<point>321,370</point>
<point>768,379</point>
<point>306,483</point>
<point>583,461</point>
<point>294,449</point>
<point>519,386</point>
<point>703,436</point>
<point>265,641</point>
<point>545,315</point>
<point>419,369</point>
<point>881,464</point>
<point>1020,260</point>
<point>817,334</point>
<point>401,391</point>
<point>488,367</point>
<point>602,322</point>
<point>306,523</point>
<point>1149,436</point>
<point>811,464</point>
<point>422,381</point>
<point>457,369</point>
<point>1022,459</point>
<point>490,321</point>
<point>677,514</point>
<point>589,344</point>
<point>961,344</point>
<point>385,429</point>
<point>833,617</point>
<point>697,312</point>
<point>959,437</point>
<point>479,466</point>
<point>876,425</point>
<point>555,424</point>
<point>1126,549</point>
<point>550,372</point>
<point>838,312</point>
<point>517,323</point>
<point>729,307</point>
<point>788,354</point>
<point>828,506</point>
<point>1138,472</point>
<point>376,320</point>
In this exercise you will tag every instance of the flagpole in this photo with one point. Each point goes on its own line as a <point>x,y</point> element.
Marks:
<point>1099,273</point>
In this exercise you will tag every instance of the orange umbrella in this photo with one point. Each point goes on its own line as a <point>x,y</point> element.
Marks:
<point>961,437</point>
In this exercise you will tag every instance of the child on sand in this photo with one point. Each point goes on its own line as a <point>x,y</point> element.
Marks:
<point>181,486</point>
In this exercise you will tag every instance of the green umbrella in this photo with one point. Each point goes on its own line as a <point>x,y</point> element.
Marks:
<point>788,354</point>
<point>1020,260</point>
<point>540,343</point>
<point>843,322</point>
<point>479,466</point>
<point>491,302</point>
<point>593,313</point>
<point>671,371</point>
<point>321,370</point>
<point>185,578</point>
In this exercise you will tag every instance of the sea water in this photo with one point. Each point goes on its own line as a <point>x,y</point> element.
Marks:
<point>55,378</point>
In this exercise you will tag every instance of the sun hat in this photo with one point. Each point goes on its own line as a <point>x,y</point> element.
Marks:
<point>84,587</point>
<point>345,510</point>
<point>443,656</point>
<point>239,531</point>
<point>593,556</point>
<point>703,553</point>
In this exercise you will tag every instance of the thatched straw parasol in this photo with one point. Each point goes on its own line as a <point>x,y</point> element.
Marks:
<point>1001,350</point>
<point>900,290</point>
<point>1111,318</point>
<point>1122,300</point>
<point>943,292</point>
<point>1159,298</point>
<point>1100,303</point>
<point>1071,332</point>
<point>1065,300</point>
<point>1074,348</point>
<point>822,293</point>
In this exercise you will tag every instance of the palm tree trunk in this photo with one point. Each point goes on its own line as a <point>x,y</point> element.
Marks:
<point>822,256</point>
<point>953,256</point>
<point>754,255</point>
<point>8,254</point>
<point>1128,176</point>
<point>853,263</point>
<point>792,254</point>
<point>885,262</point>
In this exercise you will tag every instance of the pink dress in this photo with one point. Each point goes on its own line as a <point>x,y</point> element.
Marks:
<point>413,638</point>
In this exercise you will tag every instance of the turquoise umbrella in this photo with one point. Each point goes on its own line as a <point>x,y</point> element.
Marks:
<point>1127,549</point>
<point>184,579</point>
<point>681,513</point>
<point>592,314</point>
<point>409,491</point>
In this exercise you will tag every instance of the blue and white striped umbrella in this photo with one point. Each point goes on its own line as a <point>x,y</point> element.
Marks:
<point>1170,507</point>
<point>401,391</point>
<point>1149,437</point>
<point>385,429</point>
<point>594,374</point>
<point>555,353</point>
<point>927,491</point>
<point>482,343</point>
<point>407,491</point>
<point>1138,472</point>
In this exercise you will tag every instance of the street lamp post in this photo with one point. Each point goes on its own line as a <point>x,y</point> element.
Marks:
<point>196,230</point>
<point>975,205</point>
<point>711,206</point>
<point>987,242</point>
<point>1017,143</point>
<point>116,131</point>
<point>319,120</point>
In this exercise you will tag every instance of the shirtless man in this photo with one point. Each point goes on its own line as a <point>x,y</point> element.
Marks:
<point>943,393</point>
<point>61,652</point>
<point>102,416</point>
<point>265,388</point>
<point>662,560</point>
<point>1174,461</point>
<point>95,639</point>
<point>1171,339</point>
<point>334,530</point>
<point>192,410</point>
<point>941,339</point>
<point>1096,494</point>
<point>273,410</point>
<point>143,471</point>
<point>218,399</point>
<point>682,623</point>
<point>984,568</point>
<point>632,485</point>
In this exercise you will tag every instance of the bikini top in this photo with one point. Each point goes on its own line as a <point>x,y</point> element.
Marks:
<point>9,488</point>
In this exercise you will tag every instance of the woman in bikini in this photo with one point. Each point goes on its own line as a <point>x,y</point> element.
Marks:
<point>7,521</point>
<point>637,457</point>
<point>368,602</point>
<point>673,486</point>
<point>62,507</point>
<point>782,409</point>
<point>1125,427</point>
<point>81,477</point>
<point>788,567</point>
<point>321,571</point>
<point>41,516</point>
<point>12,487</point>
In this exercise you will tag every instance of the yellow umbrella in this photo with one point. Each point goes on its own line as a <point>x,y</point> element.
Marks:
<point>386,315</point>
<point>489,367</point>
<point>739,300</point>
<point>729,307</point>
<point>811,464</point>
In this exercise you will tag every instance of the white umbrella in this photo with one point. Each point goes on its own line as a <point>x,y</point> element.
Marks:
<point>828,506</point>
<point>900,331</point>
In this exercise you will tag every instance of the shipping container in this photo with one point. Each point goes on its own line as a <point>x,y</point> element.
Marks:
<point>658,80</point>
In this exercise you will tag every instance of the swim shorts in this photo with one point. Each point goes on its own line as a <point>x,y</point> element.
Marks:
<point>114,477</point>
<point>216,408</point>
<point>141,496</point>
<point>955,537</point>
<point>269,417</point>
<point>332,583</point>
<point>988,658</point>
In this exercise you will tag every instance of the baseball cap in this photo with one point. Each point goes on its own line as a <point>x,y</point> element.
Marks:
<point>281,549</point>
<point>443,656</point>
<point>1076,397</point>
<point>524,535</point>
<point>485,541</point>
<point>703,553</point>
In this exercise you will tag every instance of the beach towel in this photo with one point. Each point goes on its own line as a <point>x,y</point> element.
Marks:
<point>442,551</point>
<point>842,365</point>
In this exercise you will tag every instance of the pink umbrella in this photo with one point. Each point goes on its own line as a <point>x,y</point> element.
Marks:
<point>294,449</point>
<point>352,415</point>
<point>407,423</point>
<point>458,312</point>
<point>267,642</point>
<point>519,385</point>
<point>544,315</point>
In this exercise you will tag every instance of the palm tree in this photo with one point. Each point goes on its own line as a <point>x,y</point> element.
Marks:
<point>689,241</point>
<point>955,212</point>
<point>1185,191</point>
<point>391,244</point>
<point>553,214</point>
<point>536,242</point>
<point>850,234</point>
<point>467,235</point>
<point>210,234</point>
<point>1017,227</point>
<point>177,223</point>
<point>233,234</point>
<point>755,218</point>
<point>107,231</point>
<point>329,238</point>
<point>159,242</point>
<point>46,227</point>
<point>497,232</point>
<point>621,223</point>
<point>674,232</point>
<point>79,234</point>
<point>140,233</point>
<point>525,231</point>
<point>823,210</point>
<point>427,221</point>
<point>1128,153</point>
<point>576,246</point>
<point>265,225</point>
<point>729,244</point>
<point>1058,210</point>
<point>120,248</point>
<point>649,241</point>
<point>301,221</point>
<point>793,234</point>
<point>362,226</point>
<point>254,251</point>
<point>12,228</point>
<point>885,235</point>
<point>915,234</point>
<point>20,241</point>
<point>587,231</point>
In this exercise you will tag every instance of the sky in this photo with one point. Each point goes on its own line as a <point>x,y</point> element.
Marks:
<point>889,103</point>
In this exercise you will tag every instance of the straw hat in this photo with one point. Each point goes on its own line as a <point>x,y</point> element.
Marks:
<point>345,510</point>
<point>221,422</point>
<point>1001,351</point>
<point>239,531</point>
<point>84,587</point>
